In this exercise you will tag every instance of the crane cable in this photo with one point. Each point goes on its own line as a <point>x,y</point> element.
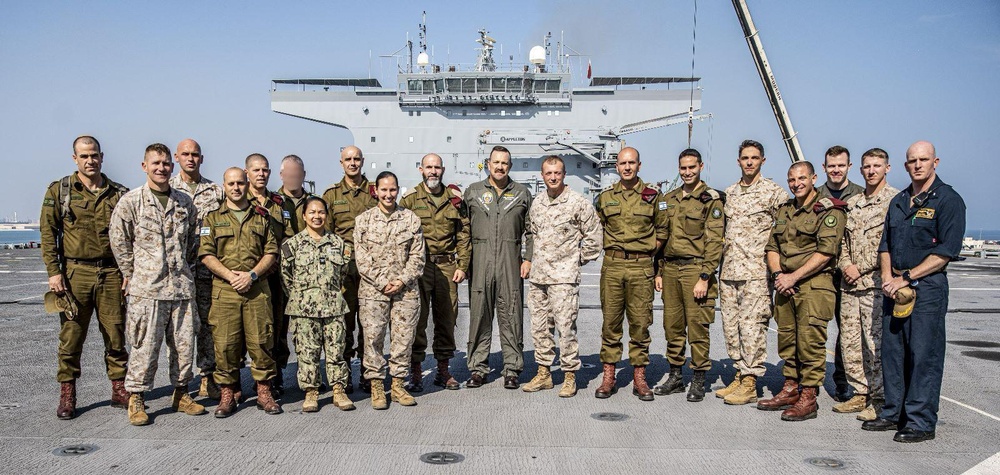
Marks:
<point>694,41</point>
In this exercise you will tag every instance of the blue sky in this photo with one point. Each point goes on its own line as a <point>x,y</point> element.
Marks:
<point>859,74</point>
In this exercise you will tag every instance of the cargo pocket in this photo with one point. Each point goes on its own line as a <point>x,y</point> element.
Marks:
<point>137,323</point>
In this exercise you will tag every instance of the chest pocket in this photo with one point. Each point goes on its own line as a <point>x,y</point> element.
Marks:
<point>807,226</point>
<point>924,233</point>
<point>693,223</point>
<point>223,236</point>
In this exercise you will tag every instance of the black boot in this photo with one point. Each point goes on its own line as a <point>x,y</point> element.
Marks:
<point>696,392</point>
<point>278,384</point>
<point>673,384</point>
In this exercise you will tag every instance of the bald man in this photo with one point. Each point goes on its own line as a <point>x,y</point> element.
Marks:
<point>923,233</point>
<point>207,196</point>
<point>348,198</point>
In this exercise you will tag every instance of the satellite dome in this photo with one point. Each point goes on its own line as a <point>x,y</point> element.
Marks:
<point>537,55</point>
<point>423,59</point>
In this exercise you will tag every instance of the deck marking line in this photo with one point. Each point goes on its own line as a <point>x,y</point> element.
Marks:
<point>980,411</point>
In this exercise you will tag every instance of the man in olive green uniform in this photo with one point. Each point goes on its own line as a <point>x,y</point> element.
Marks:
<point>237,245</point>
<point>444,220</point>
<point>280,211</point>
<point>837,164</point>
<point>353,195</point>
<point>498,217</point>
<point>634,229</point>
<point>293,175</point>
<point>696,223</point>
<point>78,258</point>
<point>801,255</point>
<point>207,196</point>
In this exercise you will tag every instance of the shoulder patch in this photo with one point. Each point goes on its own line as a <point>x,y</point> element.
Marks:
<point>285,214</point>
<point>277,199</point>
<point>648,194</point>
<point>48,202</point>
<point>410,192</point>
<point>709,195</point>
<point>286,251</point>
<point>260,210</point>
<point>716,213</point>
<point>830,220</point>
<point>662,205</point>
<point>205,230</point>
<point>824,204</point>
<point>455,190</point>
<point>371,191</point>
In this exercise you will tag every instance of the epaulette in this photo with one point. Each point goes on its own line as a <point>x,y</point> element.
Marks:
<point>371,191</point>
<point>260,210</point>
<point>456,198</point>
<point>648,194</point>
<point>824,204</point>
<point>118,186</point>
<point>277,199</point>
<point>710,194</point>
<point>410,191</point>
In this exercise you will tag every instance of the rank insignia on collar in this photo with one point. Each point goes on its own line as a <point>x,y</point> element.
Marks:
<point>925,213</point>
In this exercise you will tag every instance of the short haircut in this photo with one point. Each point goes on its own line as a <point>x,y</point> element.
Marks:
<point>255,156</point>
<point>837,150</point>
<point>157,148</point>
<point>877,153</point>
<point>86,140</point>
<point>386,174</point>
<point>804,163</point>
<point>690,152</point>
<point>500,148</point>
<point>313,199</point>
<point>294,159</point>
<point>554,159</point>
<point>751,143</point>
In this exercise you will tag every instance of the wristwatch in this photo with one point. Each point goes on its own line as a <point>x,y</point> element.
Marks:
<point>253,276</point>
<point>703,276</point>
<point>774,275</point>
<point>906,276</point>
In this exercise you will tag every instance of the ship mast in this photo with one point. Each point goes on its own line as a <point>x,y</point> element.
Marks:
<point>788,134</point>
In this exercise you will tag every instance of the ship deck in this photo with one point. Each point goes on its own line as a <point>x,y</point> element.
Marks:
<point>493,429</point>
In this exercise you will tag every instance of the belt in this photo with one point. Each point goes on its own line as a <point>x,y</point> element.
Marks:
<point>106,262</point>
<point>628,255</point>
<point>441,258</point>
<point>683,260</point>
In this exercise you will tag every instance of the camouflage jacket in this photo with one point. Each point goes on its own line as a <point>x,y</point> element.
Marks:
<point>865,221</point>
<point>387,248</point>
<point>312,273</point>
<point>749,221</point>
<point>156,247</point>
<point>566,234</point>
<point>207,197</point>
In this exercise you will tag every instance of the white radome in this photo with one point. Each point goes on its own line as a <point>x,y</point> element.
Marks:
<point>537,55</point>
<point>423,59</point>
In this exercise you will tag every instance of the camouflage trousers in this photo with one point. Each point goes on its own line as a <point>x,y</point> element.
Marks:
<point>861,340</point>
<point>148,323</point>
<point>312,337</point>
<point>397,315</point>
<point>746,311</point>
<point>555,306</point>
<point>205,358</point>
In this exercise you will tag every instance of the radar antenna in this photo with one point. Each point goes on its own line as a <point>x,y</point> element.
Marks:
<point>485,61</point>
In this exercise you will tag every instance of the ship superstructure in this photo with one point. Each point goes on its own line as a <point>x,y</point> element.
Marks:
<point>461,113</point>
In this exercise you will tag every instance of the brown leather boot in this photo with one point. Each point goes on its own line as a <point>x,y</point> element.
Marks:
<point>639,386</point>
<point>805,408</point>
<point>67,401</point>
<point>416,383</point>
<point>788,395</point>
<point>119,396</point>
<point>265,399</point>
<point>444,377</point>
<point>607,387</point>
<point>227,401</point>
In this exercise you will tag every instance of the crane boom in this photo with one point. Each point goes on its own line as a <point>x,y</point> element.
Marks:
<point>788,134</point>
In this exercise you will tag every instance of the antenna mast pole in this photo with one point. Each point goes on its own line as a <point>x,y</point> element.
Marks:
<point>788,134</point>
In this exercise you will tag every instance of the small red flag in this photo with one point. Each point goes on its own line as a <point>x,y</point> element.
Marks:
<point>589,69</point>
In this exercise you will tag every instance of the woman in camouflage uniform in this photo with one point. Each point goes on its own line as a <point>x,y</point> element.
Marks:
<point>313,263</point>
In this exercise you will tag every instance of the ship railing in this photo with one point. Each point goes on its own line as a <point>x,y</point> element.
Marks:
<point>499,67</point>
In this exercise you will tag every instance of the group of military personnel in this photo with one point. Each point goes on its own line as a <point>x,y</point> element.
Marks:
<point>229,269</point>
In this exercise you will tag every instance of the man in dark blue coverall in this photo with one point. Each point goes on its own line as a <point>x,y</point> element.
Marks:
<point>923,233</point>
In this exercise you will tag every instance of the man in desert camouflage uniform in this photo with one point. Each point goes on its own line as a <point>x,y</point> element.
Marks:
<point>207,196</point>
<point>567,234</point>
<point>861,299</point>
<point>389,248</point>
<point>348,198</point>
<point>154,236</point>
<point>751,205</point>
<point>313,264</point>
<point>280,211</point>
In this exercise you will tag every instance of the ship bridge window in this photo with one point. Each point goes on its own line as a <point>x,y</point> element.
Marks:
<point>499,84</point>
<point>454,85</point>
<point>547,85</point>
<point>468,85</point>
<point>527,85</point>
<point>413,86</point>
<point>483,85</point>
<point>439,85</point>
<point>428,87</point>
<point>514,85</point>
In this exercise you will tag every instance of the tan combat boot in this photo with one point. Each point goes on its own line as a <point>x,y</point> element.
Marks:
<point>209,388</point>
<point>745,393</point>
<point>379,401</point>
<point>182,402</point>
<point>569,385</point>
<point>340,399</point>
<point>399,393</point>
<point>137,410</point>
<point>542,380</point>
<point>311,403</point>
<point>854,404</point>
<point>729,389</point>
